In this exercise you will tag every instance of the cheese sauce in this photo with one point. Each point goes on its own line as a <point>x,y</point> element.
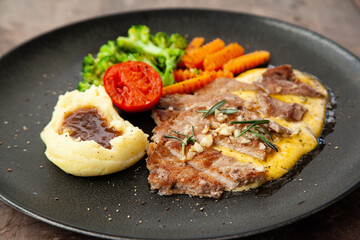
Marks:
<point>304,133</point>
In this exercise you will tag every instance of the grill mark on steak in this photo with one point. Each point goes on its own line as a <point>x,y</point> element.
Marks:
<point>183,120</point>
<point>187,101</point>
<point>227,170</point>
<point>207,174</point>
<point>169,175</point>
<point>265,104</point>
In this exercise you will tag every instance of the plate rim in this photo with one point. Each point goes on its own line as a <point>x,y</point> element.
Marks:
<point>190,9</point>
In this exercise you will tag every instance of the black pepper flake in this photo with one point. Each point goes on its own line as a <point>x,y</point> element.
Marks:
<point>158,219</point>
<point>143,203</point>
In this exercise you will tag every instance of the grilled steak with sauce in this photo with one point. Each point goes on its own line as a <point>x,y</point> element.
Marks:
<point>202,170</point>
<point>208,172</point>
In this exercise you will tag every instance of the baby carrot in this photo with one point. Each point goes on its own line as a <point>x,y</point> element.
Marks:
<point>216,60</point>
<point>195,58</point>
<point>185,74</point>
<point>194,44</point>
<point>247,61</point>
<point>190,85</point>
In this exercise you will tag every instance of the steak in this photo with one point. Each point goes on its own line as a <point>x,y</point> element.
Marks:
<point>205,172</point>
<point>282,80</point>
<point>184,155</point>
<point>208,174</point>
<point>272,107</point>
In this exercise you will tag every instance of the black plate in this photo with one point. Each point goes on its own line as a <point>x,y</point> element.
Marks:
<point>34,74</point>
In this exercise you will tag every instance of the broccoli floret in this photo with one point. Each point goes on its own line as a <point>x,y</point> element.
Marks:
<point>162,48</point>
<point>139,33</point>
<point>87,73</point>
<point>94,69</point>
<point>161,51</point>
<point>178,41</point>
<point>107,50</point>
<point>161,40</point>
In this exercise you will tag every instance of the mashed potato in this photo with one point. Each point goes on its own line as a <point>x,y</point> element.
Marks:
<point>89,158</point>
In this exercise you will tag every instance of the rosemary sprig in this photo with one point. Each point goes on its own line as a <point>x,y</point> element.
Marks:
<point>226,111</point>
<point>217,106</point>
<point>267,142</point>
<point>265,131</point>
<point>253,123</point>
<point>184,142</point>
<point>260,131</point>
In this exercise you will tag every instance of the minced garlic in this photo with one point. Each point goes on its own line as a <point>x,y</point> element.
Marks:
<point>207,141</point>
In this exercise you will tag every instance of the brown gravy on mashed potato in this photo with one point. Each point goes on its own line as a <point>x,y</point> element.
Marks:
<point>87,124</point>
<point>87,137</point>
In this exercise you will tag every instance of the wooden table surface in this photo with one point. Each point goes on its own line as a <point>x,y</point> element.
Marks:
<point>338,20</point>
